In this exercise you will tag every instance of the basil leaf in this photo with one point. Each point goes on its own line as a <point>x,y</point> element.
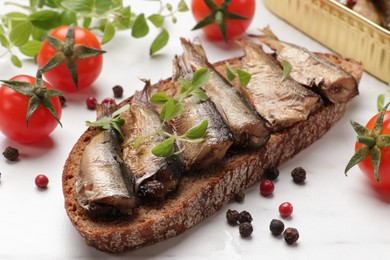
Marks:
<point>165,148</point>
<point>31,48</point>
<point>140,27</point>
<point>20,34</point>
<point>159,42</point>
<point>159,99</point>
<point>157,20</point>
<point>182,6</point>
<point>229,72</point>
<point>12,19</point>
<point>87,22</point>
<point>16,61</point>
<point>197,131</point>
<point>39,34</point>
<point>286,69</point>
<point>200,78</point>
<point>244,77</point>
<point>78,6</point>
<point>109,33</point>
<point>52,3</point>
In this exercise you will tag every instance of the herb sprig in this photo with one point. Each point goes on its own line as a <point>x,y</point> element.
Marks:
<point>26,29</point>
<point>243,76</point>
<point>171,107</point>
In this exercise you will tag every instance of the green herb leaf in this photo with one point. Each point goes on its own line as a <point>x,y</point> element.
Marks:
<point>171,109</point>
<point>244,77</point>
<point>68,17</point>
<point>165,148</point>
<point>12,19</point>
<point>200,78</point>
<point>43,15</point>
<point>20,34</point>
<point>159,99</point>
<point>140,27</point>
<point>159,42</point>
<point>229,72</point>
<point>157,20</point>
<point>199,94</point>
<point>119,111</point>
<point>108,34</point>
<point>286,69</point>
<point>4,41</point>
<point>182,6</point>
<point>123,20</point>
<point>185,85</point>
<point>16,61</point>
<point>197,131</point>
<point>102,6</point>
<point>31,48</point>
<point>380,102</point>
<point>78,6</point>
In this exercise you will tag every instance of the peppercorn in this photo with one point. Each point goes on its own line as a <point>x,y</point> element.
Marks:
<point>276,227</point>
<point>291,235</point>
<point>298,175</point>
<point>62,100</point>
<point>246,229</point>
<point>11,153</point>
<point>271,173</point>
<point>232,216</point>
<point>245,216</point>
<point>118,91</point>
<point>239,197</point>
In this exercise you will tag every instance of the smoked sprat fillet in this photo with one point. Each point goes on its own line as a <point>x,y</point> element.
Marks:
<point>199,193</point>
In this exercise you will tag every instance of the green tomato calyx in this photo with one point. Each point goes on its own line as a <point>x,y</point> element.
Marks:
<point>218,15</point>
<point>372,143</point>
<point>38,95</point>
<point>68,52</point>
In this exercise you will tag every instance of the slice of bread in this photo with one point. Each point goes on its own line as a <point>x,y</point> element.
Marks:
<point>200,194</point>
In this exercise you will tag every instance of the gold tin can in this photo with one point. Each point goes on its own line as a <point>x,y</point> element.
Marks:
<point>340,29</point>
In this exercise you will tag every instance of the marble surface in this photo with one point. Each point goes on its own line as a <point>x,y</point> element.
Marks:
<point>338,217</point>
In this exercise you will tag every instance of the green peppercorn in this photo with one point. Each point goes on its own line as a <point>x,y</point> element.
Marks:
<point>276,227</point>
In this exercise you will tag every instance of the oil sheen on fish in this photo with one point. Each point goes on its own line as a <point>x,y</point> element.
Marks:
<point>105,185</point>
<point>280,102</point>
<point>247,127</point>
<point>310,70</point>
<point>155,176</point>
<point>217,138</point>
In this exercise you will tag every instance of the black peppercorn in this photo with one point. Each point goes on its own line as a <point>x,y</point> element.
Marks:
<point>239,197</point>
<point>246,229</point>
<point>271,173</point>
<point>232,216</point>
<point>11,153</point>
<point>245,216</point>
<point>118,91</point>
<point>291,235</point>
<point>298,175</point>
<point>276,227</point>
<point>62,100</point>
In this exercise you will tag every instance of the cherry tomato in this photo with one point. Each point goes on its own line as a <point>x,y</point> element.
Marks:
<point>88,69</point>
<point>384,168</point>
<point>234,28</point>
<point>13,109</point>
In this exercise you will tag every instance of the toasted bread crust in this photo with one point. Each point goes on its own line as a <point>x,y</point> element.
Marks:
<point>199,194</point>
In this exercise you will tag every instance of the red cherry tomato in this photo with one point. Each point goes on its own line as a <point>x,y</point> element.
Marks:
<point>234,28</point>
<point>13,109</point>
<point>87,69</point>
<point>384,168</point>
